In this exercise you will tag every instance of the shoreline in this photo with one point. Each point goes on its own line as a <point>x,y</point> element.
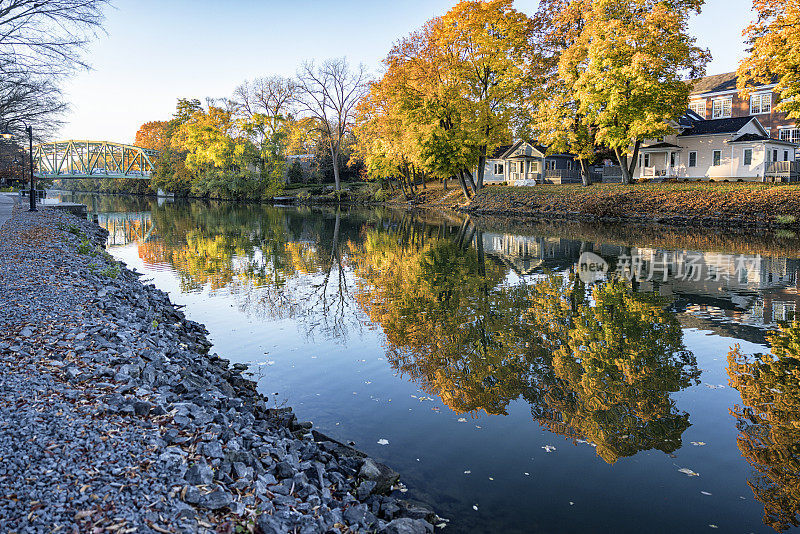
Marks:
<point>720,206</point>
<point>143,428</point>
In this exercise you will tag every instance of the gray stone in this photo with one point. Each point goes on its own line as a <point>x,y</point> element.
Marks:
<point>284,470</point>
<point>383,476</point>
<point>216,499</point>
<point>365,489</point>
<point>213,449</point>
<point>199,473</point>
<point>407,525</point>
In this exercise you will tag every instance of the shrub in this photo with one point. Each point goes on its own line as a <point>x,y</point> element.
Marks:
<point>785,219</point>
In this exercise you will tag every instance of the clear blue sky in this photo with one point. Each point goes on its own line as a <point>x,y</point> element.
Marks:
<point>156,51</point>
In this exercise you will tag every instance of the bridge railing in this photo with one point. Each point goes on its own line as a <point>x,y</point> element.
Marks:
<point>99,159</point>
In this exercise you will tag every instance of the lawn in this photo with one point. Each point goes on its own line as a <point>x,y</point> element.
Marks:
<point>744,202</point>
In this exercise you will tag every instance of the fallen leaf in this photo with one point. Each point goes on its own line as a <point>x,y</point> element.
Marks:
<point>383,441</point>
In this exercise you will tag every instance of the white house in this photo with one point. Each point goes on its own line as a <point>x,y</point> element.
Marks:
<point>526,163</point>
<point>731,149</point>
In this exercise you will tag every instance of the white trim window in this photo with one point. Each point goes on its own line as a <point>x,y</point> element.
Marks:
<point>748,156</point>
<point>699,107</point>
<point>534,166</point>
<point>791,135</point>
<point>693,159</point>
<point>721,108</point>
<point>498,169</point>
<point>647,160</point>
<point>760,103</point>
<point>716,158</point>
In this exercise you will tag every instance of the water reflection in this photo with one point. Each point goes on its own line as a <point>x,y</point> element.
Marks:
<point>483,317</point>
<point>768,421</point>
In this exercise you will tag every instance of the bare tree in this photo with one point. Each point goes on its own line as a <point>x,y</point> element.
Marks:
<point>273,96</point>
<point>47,37</point>
<point>41,42</point>
<point>329,94</point>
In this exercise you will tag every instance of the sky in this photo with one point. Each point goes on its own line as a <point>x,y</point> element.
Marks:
<point>156,51</point>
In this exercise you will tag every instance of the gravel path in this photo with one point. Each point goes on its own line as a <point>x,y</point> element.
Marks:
<point>114,417</point>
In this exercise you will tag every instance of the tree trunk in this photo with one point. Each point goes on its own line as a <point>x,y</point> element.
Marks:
<point>463,185</point>
<point>444,184</point>
<point>481,170</point>
<point>335,158</point>
<point>623,163</point>
<point>635,159</point>
<point>468,177</point>
<point>585,178</point>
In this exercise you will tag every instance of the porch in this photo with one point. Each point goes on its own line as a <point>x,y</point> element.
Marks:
<point>661,161</point>
<point>782,171</point>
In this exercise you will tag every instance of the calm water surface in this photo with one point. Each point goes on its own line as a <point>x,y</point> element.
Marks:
<point>514,396</point>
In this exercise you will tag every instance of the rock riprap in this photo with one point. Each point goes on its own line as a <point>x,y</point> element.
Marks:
<point>114,417</point>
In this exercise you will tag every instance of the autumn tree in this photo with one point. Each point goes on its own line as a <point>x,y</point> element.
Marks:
<point>558,121</point>
<point>264,106</point>
<point>774,55</point>
<point>155,135</point>
<point>622,65</point>
<point>768,421</point>
<point>485,46</point>
<point>329,93</point>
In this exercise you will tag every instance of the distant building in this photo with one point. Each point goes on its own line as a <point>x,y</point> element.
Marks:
<point>527,163</point>
<point>733,148</point>
<point>716,97</point>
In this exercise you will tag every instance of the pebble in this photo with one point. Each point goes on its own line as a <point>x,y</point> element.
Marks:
<point>123,421</point>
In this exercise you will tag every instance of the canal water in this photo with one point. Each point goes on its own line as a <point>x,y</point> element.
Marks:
<point>548,377</point>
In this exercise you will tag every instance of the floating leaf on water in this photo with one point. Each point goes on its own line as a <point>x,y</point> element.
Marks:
<point>475,507</point>
<point>571,503</point>
<point>467,472</point>
<point>549,448</point>
<point>383,441</point>
<point>477,426</point>
<point>698,443</point>
<point>713,526</point>
<point>705,493</point>
<point>490,478</point>
<point>527,474</point>
<point>462,420</point>
<point>688,472</point>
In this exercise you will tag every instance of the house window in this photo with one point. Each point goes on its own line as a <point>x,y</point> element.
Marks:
<point>760,103</point>
<point>785,155</point>
<point>791,135</point>
<point>692,159</point>
<point>775,155</point>
<point>717,158</point>
<point>535,166</point>
<point>647,160</point>
<point>498,168</point>
<point>672,159</point>
<point>721,107</point>
<point>699,107</point>
<point>748,156</point>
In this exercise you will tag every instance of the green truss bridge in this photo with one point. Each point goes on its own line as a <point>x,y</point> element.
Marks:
<point>92,159</point>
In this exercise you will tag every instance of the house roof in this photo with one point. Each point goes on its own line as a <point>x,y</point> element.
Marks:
<point>542,149</point>
<point>754,137</point>
<point>716,83</point>
<point>660,145</point>
<point>750,137</point>
<point>498,152</point>
<point>717,126</point>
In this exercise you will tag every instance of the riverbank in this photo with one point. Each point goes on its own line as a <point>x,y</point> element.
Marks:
<point>117,418</point>
<point>680,204</point>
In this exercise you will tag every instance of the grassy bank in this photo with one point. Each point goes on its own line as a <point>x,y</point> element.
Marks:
<point>708,204</point>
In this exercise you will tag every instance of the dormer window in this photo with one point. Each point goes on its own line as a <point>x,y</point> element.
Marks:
<point>721,107</point>
<point>760,103</point>
<point>699,107</point>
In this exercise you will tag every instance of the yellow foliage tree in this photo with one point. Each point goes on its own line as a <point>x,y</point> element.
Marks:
<point>775,52</point>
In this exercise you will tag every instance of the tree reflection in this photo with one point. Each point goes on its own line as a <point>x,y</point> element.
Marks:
<point>598,366</point>
<point>769,423</point>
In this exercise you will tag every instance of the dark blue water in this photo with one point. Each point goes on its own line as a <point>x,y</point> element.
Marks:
<point>514,396</point>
